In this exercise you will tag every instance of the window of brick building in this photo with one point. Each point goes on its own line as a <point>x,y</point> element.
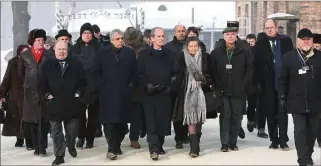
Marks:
<point>246,10</point>
<point>239,11</point>
<point>276,7</point>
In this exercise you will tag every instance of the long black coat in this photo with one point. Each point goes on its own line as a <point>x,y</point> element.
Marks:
<point>62,85</point>
<point>11,89</point>
<point>159,68</point>
<point>233,83</point>
<point>264,72</point>
<point>114,77</point>
<point>85,54</point>
<point>178,113</point>
<point>303,91</point>
<point>29,71</point>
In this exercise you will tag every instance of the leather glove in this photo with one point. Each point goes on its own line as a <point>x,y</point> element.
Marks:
<point>166,90</point>
<point>283,102</point>
<point>150,88</point>
<point>198,77</point>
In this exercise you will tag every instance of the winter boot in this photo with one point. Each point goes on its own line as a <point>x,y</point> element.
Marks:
<point>199,135</point>
<point>19,142</point>
<point>194,144</point>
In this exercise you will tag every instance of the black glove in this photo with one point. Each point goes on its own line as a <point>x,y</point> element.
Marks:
<point>166,90</point>
<point>150,89</point>
<point>283,102</point>
<point>198,77</point>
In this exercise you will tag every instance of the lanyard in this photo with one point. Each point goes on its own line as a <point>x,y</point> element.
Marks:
<point>229,56</point>
<point>301,59</point>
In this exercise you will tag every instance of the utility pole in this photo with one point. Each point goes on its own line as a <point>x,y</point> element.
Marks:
<point>193,16</point>
<point>212,34</point>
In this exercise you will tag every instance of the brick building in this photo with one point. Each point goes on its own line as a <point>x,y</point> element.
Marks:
<point>307,13</point>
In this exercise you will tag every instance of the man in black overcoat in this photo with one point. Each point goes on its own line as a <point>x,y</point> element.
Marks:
<point>268,57</point>
<point>62,83</point>
<point>158,69</point>
<point>115,74</point>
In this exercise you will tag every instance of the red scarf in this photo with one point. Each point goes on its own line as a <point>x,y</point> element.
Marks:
<point>37,54</point>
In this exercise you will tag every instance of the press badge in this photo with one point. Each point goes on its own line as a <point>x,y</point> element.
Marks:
<point>301,71</point>
<point>229,66</point>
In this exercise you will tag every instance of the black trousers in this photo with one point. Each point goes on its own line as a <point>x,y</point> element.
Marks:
<point>88,126</point>
<point>155,142</point>
<point>115,134</point>
<point>319,132</point>
<point>58,138</point>
<point>138,122</point>
<point>253,112</point>
<point>278,124</point>
<point>39,133</point>
<point>181,131</point>
<point>305,133</point>
<point>230,120</point>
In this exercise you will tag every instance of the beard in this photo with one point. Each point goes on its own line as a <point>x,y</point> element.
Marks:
<point>306,48</point>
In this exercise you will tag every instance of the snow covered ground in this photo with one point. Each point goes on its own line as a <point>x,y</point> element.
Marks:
<point>252,151</point>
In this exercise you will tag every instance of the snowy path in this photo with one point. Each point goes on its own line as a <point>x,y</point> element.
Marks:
<point>252,151</point>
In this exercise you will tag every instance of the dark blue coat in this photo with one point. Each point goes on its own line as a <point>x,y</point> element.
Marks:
<point>114,72</point>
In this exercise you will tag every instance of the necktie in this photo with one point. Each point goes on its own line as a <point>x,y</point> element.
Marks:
<point>273,47</point>
<point>62,65</point>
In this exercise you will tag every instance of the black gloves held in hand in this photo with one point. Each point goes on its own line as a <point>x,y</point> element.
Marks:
<point>151,89</point>
<point>198,77</point>
<point>283,102</point>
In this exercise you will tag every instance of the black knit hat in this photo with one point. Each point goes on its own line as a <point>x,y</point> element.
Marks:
<point>95,28</point>
<point>305,33</point>
<point>63,32</point>
<point>36,33</point>
<point>86,27</point>
<point>317,38</point>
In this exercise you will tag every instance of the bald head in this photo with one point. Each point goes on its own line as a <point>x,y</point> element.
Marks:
<point>180,32</point>
<point>270,28</point>
<point>61,50</point>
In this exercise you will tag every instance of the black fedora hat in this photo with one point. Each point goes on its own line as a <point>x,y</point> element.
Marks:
<point>63,32</point>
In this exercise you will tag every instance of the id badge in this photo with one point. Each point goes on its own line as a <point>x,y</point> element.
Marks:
<point>301,71</point>
<point>229,66</point>
<point>274,61</point>
<point>306,68</point>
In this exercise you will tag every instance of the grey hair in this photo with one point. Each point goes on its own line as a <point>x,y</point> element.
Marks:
<point>113,32</point>
<point>152,34</point>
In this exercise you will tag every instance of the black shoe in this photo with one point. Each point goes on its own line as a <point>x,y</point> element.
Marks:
<point>224,148</point>
<point>29,144</point>
<point>43,153</point>
<point>262,134</point>
<point>250,126</point>
<point>179,145</point>
<point>162,151</point>
<point>19,142</point>
<point>242,133</point>
<point>80,143</point>
<point>72,151</point>
<point>274,146</point>
<point>284,147</point>
<point>89,145</point>
<point>118,152</point>
<point>98,133</point>
<point>111,156</point>
<point>234,148</point>
<point>187,141</point>
<point>36,152</point>
<point>154,156</point>
<point>319,144</point>
<point>58,161</point>
<point>194,144</point>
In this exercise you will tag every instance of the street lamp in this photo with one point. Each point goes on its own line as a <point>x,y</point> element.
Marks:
<point>212,33</point>
<point>162,8</point>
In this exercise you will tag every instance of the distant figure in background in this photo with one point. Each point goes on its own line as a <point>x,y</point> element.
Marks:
<point>193,31</point>
<point>147,37</point>
<point>11,92</point>
<point>49,42</point>
<point>251,39</point>
<point>65,36</point>
<point>103,40</point>
<point>317,41</point>
<point>281,30</point>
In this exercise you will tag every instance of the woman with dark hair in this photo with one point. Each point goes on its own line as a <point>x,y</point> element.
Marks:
<point>193,31</point>
<point>11,92</point>
<point>196,80</point>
